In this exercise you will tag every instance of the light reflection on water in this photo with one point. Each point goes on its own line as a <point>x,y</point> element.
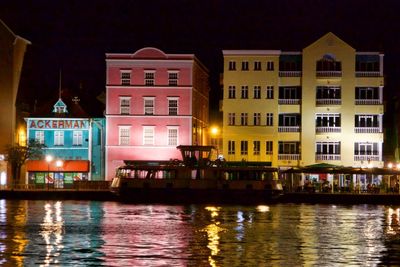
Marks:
<point>90,233</point>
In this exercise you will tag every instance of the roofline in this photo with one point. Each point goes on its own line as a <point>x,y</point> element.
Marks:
<point>15,36</point>
<point>251,52</point>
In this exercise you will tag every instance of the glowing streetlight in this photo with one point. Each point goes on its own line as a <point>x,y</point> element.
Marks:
<point>390,165</point>
<point>49,158</point>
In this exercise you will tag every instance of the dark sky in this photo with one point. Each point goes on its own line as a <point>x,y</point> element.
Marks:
<point>75,35</point>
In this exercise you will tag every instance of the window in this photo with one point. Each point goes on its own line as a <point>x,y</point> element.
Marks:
<point>289,147</point>
<point>329,63</point>
<point>172,78</point>
<point>245,92</point>
<point>148,105</point>
<point>268,147</point>
<point>245,65</point>
<point>328,120</point>
<point>231,119</point>
<point>149,78</point>
<point>232,65</point>
<point>243,147</point>
<point>367,93</point>
<point>270,65</point>
<point>270,92</point>
<point>173,106</point>
<point>270,119</point>
<point>231,92</point>
<point>328,148</point>
<point>289,119</point>
<point>172,136</point>
<point>231,147</point>
<point>58,138</point>
<point>77,138</point>
<point>243,119</point>
<point>124,105</point>
<point>290,92</point>
<point>257,119</point>
<point>39,137</point>
<point>366,121</point>
<point>148,135</point>
<point>366,151</point>
<point>256,147</point>
<point>124,135</point>
<point>328,92</point>
<point>257,65</point>
<point>125,77</point>
<point>257,92</point>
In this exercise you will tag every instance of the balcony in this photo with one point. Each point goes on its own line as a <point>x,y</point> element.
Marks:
<point>328,129</point>
<point>327,157</point>
<point>367,157</point>
<point>367,130</point>
<point>368,102</point>
<point>284,73</point>
<point>288,129</point>
<point>368,74</point>
<point>329,101</point>
<point>330,73</point>
<point>288,101</point>
<point>288,156</point>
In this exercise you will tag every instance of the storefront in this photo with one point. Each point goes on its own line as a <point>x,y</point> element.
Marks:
<point>57,173</point>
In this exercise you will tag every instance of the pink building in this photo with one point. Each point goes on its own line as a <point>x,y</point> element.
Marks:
<point>155,102</point>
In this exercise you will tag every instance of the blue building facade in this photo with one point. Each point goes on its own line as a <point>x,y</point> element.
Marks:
<point>73,148</point>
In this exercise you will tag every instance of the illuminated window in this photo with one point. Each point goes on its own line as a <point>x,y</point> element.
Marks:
<point>289,147</point>
<point>172,136</point>
<point>231,118</point>
<point>257,92</point>
<point>328,148</point>
<point>148,135</point>
<point>245,65</point>
<point>173,106</point>
<point>270,65</point>
<point>231,92</point>
<point>245,92</point>
<point>39,137</point>
<point>77,138</point>
<point>243,119</point>
<point>148,105</point>
<point>257,65</point>
<point>149,78</point>
<point>125,77</point>
<point>232,65</point>
<point>270,92</point>
<point>366,120</point>
<point>268,147</point>
<point>58,138</point>
<point>257,119</point>
<point>124,135</point>
<point>256,147</point>
<point>231,147</point>
<point>124,105</point>
<point>172,78</point>
<point>270,119</point>
<point>244,146</point>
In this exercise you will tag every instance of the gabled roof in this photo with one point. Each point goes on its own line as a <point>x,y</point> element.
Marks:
<point>13,34</point>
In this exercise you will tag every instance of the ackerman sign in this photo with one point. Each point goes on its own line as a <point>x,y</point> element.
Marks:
<point>58,124</point>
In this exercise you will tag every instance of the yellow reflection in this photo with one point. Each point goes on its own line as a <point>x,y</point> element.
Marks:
<point>52,232</point>
<point>213,231</point>
<point>393,221</point>
<point>19,241</point>
<point>262,208</point>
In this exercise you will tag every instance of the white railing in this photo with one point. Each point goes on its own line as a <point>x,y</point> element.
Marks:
<point>285,73</point>
<point>330,73</point>
<point>288,129</point>
<point>328,129</point>
<point>368,102</point>
<point>283,101</point>
<point>327,157</point>
<point>367,130</point>
<point>367,157</point>
<point>288,156</point>
<point>368,74</point>
<point>329,101</point>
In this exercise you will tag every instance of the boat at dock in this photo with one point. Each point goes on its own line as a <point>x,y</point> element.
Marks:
<point>195,179</point>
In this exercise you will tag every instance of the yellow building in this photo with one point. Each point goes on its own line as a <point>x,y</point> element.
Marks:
<point>321,105</point>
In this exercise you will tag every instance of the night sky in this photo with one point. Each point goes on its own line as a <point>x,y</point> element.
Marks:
<point>74,35</point>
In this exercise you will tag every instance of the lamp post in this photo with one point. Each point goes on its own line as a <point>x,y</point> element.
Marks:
<point>59,164</point>
<point>49,158</point>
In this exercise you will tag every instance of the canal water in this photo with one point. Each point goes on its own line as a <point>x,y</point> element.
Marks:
<point>91,233</point>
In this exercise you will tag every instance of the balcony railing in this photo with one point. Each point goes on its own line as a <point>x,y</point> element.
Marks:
<point>329,101</point>
<point>367,157</point>
<point>283,101</point>
<point>327,157</point>
<point>288,129</point>
<point>330,73</point>
<point>367,130</point>
<point>328,129</point>
<point>284,73</point>
<point>368,102</point>
<point>288,156</point>
<point>368,74</point>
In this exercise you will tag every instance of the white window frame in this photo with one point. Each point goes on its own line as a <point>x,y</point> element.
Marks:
<point>245,65</point>
<point>244,147</point>
<point>270,65</point>
<point>257,92</point>
<point>126,77</point>
<point>232,65</point>
<point>269,119</point>
<point>173,134</point>
<point>58,138</point>
<point>39,137</point>
<point>269,147</point>
<point>257,65</point>
<point>173,78</point>
<point>124,135</point>
<point>257,119</point>
<point>245,92</point>
<point>149,77</point>
<point>256,147</point>
<point>77,138</point>
<point>148,135</point>
<point>124,105</point>
<point>270,92</point>
<point>231,119</point>
<point>232,92</point>
<point>244,121</point>
<point>148,109</point>
<point>231,147</point>
<point>173,110</point>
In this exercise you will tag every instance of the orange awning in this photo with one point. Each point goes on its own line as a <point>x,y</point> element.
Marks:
<point>67,166</point>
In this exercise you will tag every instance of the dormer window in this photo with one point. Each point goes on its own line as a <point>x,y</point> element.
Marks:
<point>60,107</point>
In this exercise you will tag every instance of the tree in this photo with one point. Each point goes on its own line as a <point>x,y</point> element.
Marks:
<point>17,155</point>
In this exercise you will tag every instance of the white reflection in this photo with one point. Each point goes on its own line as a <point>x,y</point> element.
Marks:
<point>262,208</point>
<point>213,231</point>
<point>52,232</point>
<point>393,221</point>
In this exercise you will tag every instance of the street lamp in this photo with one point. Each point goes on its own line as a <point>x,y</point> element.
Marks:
<point>49,158</point>
<point>59,164</point>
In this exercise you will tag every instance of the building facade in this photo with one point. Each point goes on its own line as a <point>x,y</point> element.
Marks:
<point>73,147</point>
<point>154,102</point>
<point>12,52</point>
<point>321,105</point>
